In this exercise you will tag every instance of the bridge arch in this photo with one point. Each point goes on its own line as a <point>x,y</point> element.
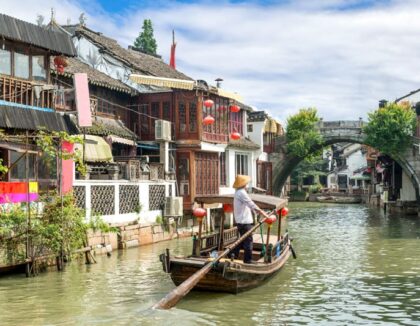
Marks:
<point>334,132</point>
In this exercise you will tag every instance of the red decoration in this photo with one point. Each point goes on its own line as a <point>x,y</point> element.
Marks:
<point>227,208</point>
<point>60,63</point>
<point>284,211</point>
<point>199,213</point>
<point>235,135</point>
<point>235,108</point>
<point>221,108</point>
<point>208,103</point>
<point>271,219</point>
<point>209,120</point>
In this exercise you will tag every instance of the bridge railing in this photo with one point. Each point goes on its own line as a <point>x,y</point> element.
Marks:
<point>342,124</point>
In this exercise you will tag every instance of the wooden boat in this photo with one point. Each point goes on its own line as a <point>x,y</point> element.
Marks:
<point>339,200</point>
<point>232,275</point>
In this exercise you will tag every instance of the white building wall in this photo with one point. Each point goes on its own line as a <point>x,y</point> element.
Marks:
<point>407,192</point>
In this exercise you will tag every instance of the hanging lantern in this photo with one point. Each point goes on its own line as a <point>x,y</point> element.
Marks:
<point>221,108</point>
<point>284,211</point>
<point>234,108</point>
<point>199,213</point>
<point>60,69</point>
<point>270,220</point>
<point>227,208</point>
<point>208,103</point>
<point>60,63</point>
<point>235,135</point>
<point>209,120</point>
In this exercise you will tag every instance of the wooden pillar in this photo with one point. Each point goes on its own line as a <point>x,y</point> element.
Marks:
<point>222,229</point>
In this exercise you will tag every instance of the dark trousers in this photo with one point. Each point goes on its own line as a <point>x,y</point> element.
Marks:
<point>246,245</point>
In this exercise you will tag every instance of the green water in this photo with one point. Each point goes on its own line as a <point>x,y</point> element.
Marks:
<point>355,266</point>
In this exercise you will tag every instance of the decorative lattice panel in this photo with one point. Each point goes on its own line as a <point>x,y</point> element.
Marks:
<point>170,190</point>
<point>103,200</point>
<point>79,194</point>
<point>157,171</point>
<point>129,199</point>
<point>156,197</point>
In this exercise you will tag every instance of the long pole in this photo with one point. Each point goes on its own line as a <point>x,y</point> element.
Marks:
<point>173,297</point>
<point>28,210</point>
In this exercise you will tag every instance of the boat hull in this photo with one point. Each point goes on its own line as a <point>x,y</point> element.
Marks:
<point>227,276</point>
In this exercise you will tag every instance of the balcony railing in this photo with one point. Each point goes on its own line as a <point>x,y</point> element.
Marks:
<point>26,92</point>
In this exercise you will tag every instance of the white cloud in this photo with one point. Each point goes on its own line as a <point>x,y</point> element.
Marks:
<point>281,57</point>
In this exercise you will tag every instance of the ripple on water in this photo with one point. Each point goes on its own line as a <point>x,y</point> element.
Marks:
<point>354,266</point>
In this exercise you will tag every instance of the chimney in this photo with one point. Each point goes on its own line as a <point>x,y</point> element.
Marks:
<point>218,82</point>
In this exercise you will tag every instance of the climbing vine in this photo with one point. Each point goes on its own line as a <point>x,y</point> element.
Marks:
<point>390,128</point>
<point>302,134</point>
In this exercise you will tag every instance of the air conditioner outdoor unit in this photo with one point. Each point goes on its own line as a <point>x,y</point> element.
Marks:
<point>163,130</point>
<point>173,206</point>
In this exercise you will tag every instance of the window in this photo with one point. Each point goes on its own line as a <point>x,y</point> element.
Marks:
<point>182,117</point>
<point>47,168</point>
<point>5,62</point>
<point>155,110</point>
<point>144,112</point>
<point>166,111</point>
<point>241,164</point>
<point>38,68</point>
<point>223,169</point>
<point>193,117</point>
<point>207,173</point>
<point>18,160</point>
<point>21,65</point>
<point>250,128</point>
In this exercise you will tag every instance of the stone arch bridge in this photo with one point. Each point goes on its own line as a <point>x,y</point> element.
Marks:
<point>339,132</point>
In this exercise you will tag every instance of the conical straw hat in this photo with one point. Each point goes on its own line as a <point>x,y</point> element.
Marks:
<point>241,181</point>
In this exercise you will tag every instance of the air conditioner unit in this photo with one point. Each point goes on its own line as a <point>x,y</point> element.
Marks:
<point>163,130</point>
<point>173,206</point>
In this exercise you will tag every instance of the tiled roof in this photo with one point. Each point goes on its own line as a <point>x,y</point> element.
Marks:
<point>257,116</point>
<point>95,77</point>
<point>243,143</point>
<point>140,62</point>
<point>19,30</point>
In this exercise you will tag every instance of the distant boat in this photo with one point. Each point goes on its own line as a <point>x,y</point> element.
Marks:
<point>339,200</point>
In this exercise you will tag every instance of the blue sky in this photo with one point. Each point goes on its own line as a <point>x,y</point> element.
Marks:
<point>340,56</point>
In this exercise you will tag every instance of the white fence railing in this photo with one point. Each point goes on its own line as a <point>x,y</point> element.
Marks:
<point>121,201</point>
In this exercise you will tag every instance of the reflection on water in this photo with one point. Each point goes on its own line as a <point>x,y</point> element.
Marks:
<point>354,266</point>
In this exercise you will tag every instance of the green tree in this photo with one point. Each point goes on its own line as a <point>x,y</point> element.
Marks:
<point>390,128</point>
<point>146,41</point>
<point>302,134</point>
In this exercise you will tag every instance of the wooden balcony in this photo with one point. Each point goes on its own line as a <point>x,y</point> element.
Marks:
<point>26,92</point>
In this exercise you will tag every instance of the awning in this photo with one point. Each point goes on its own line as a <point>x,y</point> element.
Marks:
<point>120,140</point>
<point>25,117</point>
<point>359,176</point>
<point>96,149</point>
<point>231,95</point>
<point>163,82</point>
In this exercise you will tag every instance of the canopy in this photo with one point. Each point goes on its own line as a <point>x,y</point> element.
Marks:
<point>163,82</point>
<point>96,149</point>
<point>359,176</point>
<point>263,201</point>
<point>120,140</point>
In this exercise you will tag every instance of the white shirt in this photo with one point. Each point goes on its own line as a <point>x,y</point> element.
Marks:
<point>242,206</point>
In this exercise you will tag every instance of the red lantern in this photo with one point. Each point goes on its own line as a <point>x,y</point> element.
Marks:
<point>208,103</point>
<point>235,108</point>
<point>60,69</point>
<point>227,208</point>
<point>221,108</point>
<point>270,220</point>
<point>209,120</point>
<point>284,211</point>
<point>235,135</point>
<point>199,213</point>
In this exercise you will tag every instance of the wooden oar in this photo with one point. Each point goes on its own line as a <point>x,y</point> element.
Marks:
<point>172,298</point>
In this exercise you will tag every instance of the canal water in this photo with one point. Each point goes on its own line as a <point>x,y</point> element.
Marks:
<point>355,266</point>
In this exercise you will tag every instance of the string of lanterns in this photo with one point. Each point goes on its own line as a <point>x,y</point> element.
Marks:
<point>209,119</point>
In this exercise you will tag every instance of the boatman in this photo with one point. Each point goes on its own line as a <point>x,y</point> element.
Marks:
<point>242,207</point>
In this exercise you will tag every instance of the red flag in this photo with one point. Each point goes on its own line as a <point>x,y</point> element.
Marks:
<point>173,46</point>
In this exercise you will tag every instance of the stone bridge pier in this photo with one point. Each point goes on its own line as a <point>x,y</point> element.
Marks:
<point>342,132</point>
